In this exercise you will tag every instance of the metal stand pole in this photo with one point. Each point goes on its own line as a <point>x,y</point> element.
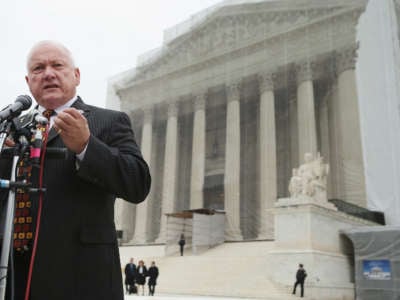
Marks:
<point>5,129</point>
<point>8,229</point>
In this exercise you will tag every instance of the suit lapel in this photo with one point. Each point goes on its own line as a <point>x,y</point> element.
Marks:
<point>52,135</point>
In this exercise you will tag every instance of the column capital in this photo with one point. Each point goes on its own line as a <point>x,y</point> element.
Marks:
<point>304,71</point>
<point>346,59</point>
<point>172,109</point>
<point>147,114</point>
<point>266,82</point>
<point>199,101</point>
<point>233,91</point>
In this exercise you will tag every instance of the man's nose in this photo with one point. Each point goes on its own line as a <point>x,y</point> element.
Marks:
<point>49,72</point>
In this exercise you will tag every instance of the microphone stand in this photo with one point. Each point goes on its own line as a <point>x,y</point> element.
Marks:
<point>5,129</point>
<point>22,145</point>
<point>8,229</point>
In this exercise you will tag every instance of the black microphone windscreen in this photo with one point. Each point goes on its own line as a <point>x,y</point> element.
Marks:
<point>25,100</point>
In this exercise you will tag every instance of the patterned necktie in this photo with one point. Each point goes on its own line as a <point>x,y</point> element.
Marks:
<point>23,221</point>
<point>23,227</point>
<point>48,113</point>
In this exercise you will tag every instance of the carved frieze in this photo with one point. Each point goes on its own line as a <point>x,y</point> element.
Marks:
<point>226,33</point>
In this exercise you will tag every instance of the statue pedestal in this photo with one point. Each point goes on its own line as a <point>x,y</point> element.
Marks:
<point>305,200</point>
<point>307,231</point>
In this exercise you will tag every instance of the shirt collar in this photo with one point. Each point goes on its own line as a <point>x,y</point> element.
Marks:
<point>60,108</point>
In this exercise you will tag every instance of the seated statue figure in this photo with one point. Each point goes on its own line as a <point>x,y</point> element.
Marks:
<point>321,171</point>
<point>306,172</point>
<point>310,179</point>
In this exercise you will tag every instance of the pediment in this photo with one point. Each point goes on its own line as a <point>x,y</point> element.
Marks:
<point>234,26</point>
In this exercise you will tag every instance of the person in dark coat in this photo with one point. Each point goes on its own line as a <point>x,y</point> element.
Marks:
<point>130,274</point>
<point>141,273</point>
<point>152,273</point>
<point>76,254</point>
<point>301,275</point>
<point>182,243</point>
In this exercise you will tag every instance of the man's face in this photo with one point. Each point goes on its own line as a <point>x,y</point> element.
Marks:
<point>52,78</point>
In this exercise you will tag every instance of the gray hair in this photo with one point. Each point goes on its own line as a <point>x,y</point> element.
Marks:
<point>50,43</point>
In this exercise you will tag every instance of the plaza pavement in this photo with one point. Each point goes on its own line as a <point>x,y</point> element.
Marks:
<point>190,297</point>
<point>179,297</point>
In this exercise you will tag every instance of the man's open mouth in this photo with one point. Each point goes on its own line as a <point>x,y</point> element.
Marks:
<point>51,86</point>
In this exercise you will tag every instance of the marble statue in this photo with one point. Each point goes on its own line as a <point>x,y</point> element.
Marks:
<point>310,179</point>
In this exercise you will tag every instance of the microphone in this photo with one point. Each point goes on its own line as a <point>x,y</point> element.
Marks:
<point>30,119</point>
<point>11,111</point>
<point>36,147</point>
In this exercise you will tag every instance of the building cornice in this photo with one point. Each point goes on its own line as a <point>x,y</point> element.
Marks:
<point>178,66</point>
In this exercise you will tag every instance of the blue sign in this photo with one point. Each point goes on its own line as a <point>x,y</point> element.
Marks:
<point>377,269</point>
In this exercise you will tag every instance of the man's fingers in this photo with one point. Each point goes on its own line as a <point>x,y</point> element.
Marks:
<point>69,117</point>
<point>9,142</point>
<point>64,118</point>
<point>77,114</point>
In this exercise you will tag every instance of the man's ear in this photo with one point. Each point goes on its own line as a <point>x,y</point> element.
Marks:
<point>77,74</point>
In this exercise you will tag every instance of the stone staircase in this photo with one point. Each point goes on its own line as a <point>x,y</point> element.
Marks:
<point>230,269</point>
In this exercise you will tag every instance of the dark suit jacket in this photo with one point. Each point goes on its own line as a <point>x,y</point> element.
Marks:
<point>77,254</point>
<point>130,272</point>
<point>153,274</point>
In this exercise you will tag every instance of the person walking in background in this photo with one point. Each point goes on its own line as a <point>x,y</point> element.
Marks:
<point>130,273</point>
<point>301,275</point>
<point>182,243</point>
<point>141,273</point>
<point>153,274</point>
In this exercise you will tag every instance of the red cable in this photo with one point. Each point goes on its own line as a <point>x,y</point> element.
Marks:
<point>39,214</point>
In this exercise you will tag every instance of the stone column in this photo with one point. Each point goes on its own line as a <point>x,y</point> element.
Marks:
<point>140,235</point>
<point>170,164</point>
<point>124,213</point>
<point>325,140</point>
<point>232,164</point>
<point>335,169</point>
<point>350,133</point>
<point>268,172</point>
<point>198,153</point>
<point>306,111</point>
<point>293,132</point>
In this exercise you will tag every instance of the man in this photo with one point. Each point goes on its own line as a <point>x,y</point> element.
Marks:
<point>77,253</point>
<point>182,243</point>
<point>153,274</point>
<point>301,275</point>
<point>130,273</point>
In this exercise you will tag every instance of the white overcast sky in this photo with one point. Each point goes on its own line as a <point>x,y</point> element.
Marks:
<point>105,37</point>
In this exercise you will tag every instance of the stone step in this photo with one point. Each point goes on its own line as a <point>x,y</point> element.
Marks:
<point>230,269</point>
<point>192,297</point>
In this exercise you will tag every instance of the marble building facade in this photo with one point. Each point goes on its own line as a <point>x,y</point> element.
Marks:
<point>231,103</point>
